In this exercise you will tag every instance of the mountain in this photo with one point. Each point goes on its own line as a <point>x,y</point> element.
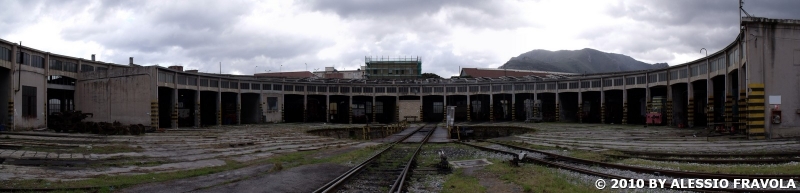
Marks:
<point>577,61</point>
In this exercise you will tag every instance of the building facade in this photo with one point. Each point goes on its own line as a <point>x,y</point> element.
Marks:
<point>751,84</point>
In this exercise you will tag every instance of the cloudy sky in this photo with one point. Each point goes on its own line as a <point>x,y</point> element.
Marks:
<point>248,36</point>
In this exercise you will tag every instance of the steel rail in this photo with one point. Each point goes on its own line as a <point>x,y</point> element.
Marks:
<point>713,161</point>
<point>657,154</point>
<point>673,173</point>
<point>610,176</point>
<point>398,184</point>
<point>331,185</point>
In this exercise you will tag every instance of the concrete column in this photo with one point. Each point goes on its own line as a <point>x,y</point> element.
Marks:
<point>647,99</point>
<point>670,109</point>
<point>580,106</point>
<point>350,109</point>
<point>327,108</point>
<point>624,106</point>
<point>374,115</point>
<point>14,66</point>
<point>174,115</point>
<point>709,109</point>
<point>238,108</point>
<point>197,105</point>
<point>469,109</point>
<point>602,105</point>
<point>558,108</point>
<point>444,108</point>
<point>219,102</point>
<point>491,107</point>
<point>513,107</point>
<point>397,108</point>
<point>305,107</point>
<point>690,104</point>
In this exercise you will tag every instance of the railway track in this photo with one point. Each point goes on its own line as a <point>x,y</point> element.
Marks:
<point>705,155</point>
<point>712,161</point>
<point>568,163</point>
<point>387,170</point>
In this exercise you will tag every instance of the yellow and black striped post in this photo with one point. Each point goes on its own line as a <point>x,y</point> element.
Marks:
<point>580,112</point>
<point>397,112</point>
<point>690,112</point>
<point>469,113</point>
<point>742,110</point>
<point>558,116</point>
<point>350,115</point>
<point>535,109</point>
<point>154,114</point>
<point>491,113</point>
<point>421,118</point>
<point>755,112</point>
<point>198,117</point>
<point>174,116</point>
<point>10,123</point>
<point>669,112</point>
<point>602,112</point>
<point>444,113</point>
<point>283,116</point>
<point>513,112</point>
<point>710,110</point>
<point>728,110</point>
<point>374,114</point>
<point>625,112</point>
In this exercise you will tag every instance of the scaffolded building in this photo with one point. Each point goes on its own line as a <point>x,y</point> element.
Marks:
<point>393,68</point>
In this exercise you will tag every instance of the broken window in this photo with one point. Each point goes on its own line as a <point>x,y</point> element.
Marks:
<point>272,104</point>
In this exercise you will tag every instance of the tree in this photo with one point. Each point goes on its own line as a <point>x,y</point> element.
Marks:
<point>430,75</point>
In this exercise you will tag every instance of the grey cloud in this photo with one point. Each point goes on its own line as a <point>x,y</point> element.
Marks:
<point>681,26</point>
<point>389,8</point>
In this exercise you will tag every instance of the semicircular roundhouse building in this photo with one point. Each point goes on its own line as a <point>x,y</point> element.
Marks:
<point>752,84</point>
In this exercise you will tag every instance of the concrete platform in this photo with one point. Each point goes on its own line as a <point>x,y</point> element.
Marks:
<point>397,136</point>
<point>439,136</point>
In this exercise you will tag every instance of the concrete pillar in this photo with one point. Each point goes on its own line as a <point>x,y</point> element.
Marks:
<point>14,66</point>
<point>709,109</point>
<point>469,109</point>
<point>491,107</point>
<point>444,108</point>
<point>374,114</point>
<point>197,106</point>
<point>535,108</point>
<point>624,106</point>
<point>669,110</point>
<point>305,108</point>
<point>690,104</point>
<point>513,107</point>
<point>602,105</point>
<point>174,115</point>
<point>238,108</point>
<point>580,106</point>
<point>219,103</point>
<point>327,108</point>
<point>558,108</point>
<point>350,110</point>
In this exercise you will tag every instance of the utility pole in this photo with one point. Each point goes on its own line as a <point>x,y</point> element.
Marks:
<point>220,67</point>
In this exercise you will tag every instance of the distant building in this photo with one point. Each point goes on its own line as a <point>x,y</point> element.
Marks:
<point>494,73</point>
<point>331,72</point>
<point>297,74</point>
<point>393,68</point>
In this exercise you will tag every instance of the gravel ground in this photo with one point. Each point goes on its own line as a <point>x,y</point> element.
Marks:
<point>305,178</point>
